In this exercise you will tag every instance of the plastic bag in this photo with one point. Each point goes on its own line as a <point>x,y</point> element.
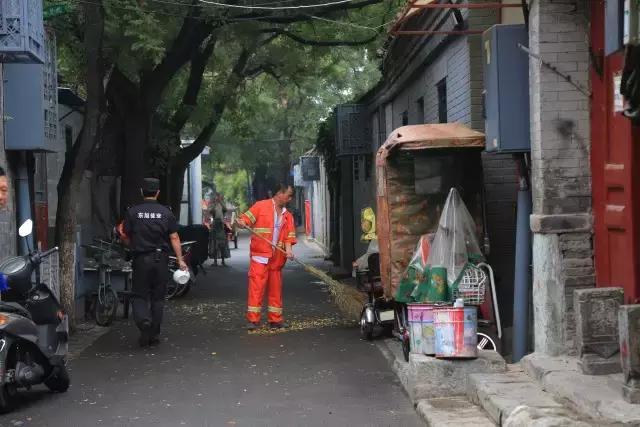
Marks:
<point>455,243</point>
<point>414,282</point>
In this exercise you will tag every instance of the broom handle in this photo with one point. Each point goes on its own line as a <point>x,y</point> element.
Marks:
<point>270,243</point>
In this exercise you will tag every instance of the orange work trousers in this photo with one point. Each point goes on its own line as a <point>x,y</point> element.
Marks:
<point>263,276</point>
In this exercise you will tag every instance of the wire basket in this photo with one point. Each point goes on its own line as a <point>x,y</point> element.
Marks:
<point>471,288</point>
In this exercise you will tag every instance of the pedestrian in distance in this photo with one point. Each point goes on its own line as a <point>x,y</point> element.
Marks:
<point>270,220</point>
<point>218,242</point>
<point>4,189</point>
<point>151,231</point>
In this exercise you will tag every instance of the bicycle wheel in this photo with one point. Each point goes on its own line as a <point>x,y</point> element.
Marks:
<point>106,306</point>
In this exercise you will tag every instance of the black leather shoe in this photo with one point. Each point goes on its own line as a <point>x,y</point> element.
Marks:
<point>154,340</point>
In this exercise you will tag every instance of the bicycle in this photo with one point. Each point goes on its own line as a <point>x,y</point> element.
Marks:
<point>105,301</point>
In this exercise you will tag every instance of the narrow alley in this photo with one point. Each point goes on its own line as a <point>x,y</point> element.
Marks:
<point>209,371</point>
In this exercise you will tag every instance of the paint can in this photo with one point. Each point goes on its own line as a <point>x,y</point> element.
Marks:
<point>421,328</point>
<point>456,332</point>
<point>438,287</point>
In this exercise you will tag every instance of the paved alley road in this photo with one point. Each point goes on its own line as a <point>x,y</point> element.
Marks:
<point>209,371</point>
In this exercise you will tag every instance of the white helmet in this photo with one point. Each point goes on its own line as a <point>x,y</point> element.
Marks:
<point>181,277</point>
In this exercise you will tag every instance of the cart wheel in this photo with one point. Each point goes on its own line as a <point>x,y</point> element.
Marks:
<point>406,347</point>
<point>366,329</point>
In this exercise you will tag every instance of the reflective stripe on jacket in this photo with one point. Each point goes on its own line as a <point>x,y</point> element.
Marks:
<point>260,218</point>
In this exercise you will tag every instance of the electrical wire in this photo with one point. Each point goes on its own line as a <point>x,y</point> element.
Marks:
<point>351,24</point>
<point>308,6</point>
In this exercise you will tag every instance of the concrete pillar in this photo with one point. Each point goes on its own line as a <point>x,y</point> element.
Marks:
<point>597,329</point>
<point>560,169</point>
<point>195,190</point>
<point>629,327</point>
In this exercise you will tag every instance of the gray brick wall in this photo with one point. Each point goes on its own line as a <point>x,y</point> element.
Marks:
<point>8,236</point>
<point>560,150</point>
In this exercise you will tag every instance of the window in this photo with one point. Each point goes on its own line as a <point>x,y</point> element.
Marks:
<point>442,100</point>
<point>420,111</point>
<point>405,118</point>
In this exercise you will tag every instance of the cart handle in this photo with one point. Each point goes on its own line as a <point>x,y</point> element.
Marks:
<point>494,297</point>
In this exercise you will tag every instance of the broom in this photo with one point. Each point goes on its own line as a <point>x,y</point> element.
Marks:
<point>347,298</point>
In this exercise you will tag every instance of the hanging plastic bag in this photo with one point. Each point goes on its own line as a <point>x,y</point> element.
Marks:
<point>454,246</point>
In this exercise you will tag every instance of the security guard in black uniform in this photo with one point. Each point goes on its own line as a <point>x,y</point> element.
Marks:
<point>151,230</point>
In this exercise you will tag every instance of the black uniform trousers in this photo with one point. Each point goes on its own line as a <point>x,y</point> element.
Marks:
<point>150,276</point>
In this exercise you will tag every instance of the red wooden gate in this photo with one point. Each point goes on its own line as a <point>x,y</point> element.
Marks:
<point>615,173</point>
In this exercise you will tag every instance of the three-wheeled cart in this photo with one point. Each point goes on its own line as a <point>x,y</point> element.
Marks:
<point>416,168</point>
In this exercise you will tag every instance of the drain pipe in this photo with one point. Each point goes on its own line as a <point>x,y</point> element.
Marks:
<point>522,283</point>
<point>23,201</point>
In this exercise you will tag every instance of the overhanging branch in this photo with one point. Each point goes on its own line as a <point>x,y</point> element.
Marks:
<point>302,40</point>
<point>196,73</point>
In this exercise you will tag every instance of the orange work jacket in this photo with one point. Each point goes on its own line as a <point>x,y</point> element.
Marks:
<point>260,218</point>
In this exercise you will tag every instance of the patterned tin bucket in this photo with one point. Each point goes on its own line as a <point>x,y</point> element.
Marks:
<point>421,328</point>
<point>456,332</point>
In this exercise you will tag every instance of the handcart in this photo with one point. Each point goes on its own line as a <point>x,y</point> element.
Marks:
<point>415,169</point>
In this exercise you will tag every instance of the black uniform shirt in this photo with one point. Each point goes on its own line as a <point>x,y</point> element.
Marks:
<point>148,226</point>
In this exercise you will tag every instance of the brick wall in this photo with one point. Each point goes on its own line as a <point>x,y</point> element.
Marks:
<point>560,150</point>
<point>8,233</point>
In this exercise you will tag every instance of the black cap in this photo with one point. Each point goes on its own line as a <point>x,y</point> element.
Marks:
<point>151,185</point>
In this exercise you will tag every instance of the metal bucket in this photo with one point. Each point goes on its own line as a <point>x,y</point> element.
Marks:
<point>456,332</point>
<point>421,328</point>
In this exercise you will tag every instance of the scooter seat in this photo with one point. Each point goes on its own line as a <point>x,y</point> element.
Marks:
<point>13,307</point>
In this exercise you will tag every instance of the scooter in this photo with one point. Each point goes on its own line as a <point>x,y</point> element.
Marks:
<point>34,330</point>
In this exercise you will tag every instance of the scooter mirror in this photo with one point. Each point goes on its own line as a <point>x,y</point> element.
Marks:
<point>26,228</point>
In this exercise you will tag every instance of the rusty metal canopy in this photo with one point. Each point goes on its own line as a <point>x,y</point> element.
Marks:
<point>441,135</point>
<point>414,7</point>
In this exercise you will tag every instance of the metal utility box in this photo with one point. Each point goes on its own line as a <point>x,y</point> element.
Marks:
<point>31,104</point>
<point>310,168</point>
<point>506,89</point>
<point>22,31</point>
<point>353,134</point>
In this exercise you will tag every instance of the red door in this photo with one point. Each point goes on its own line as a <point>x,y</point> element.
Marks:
<point>614,165</point>
<point>42,225</point>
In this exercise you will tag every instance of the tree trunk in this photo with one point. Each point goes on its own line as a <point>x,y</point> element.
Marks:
<point>77,160</point>
<point>136,137</point>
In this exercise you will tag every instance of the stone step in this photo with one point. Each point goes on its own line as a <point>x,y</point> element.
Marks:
<point>596,396</point>
<point>452,412</point>
<point>513,398</point>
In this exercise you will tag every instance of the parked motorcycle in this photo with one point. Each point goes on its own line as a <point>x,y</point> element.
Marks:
<point>34,329</point>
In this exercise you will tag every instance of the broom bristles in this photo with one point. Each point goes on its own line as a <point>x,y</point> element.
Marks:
<point>348,299</point>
